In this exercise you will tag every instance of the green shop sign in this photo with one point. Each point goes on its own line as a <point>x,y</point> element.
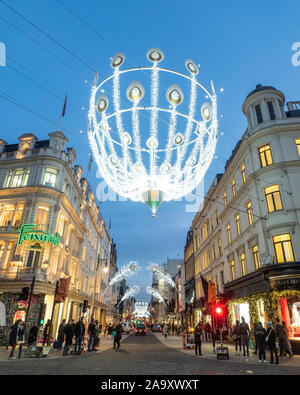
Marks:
<point>29,233</point>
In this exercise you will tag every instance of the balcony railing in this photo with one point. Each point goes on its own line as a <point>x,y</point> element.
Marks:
<point>22,273</point>
<point>9,229</point>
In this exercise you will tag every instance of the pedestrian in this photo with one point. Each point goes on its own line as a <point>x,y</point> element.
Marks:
<point>260,336</point>
<point>198,339</point>
<point>106,329</point>
<point>271,341</point>
<point>254,335</point>
<point>15,332</point>
<point>97,332</point>
<point>33,333</point>
<point>61,334</point>
<point>236,337</point>
<point>68,337</point>
<point>207,332</point>
<point>286,342</point>
<point>173,328</point>
<point>91,329</point>
<point>245,336</point>
<point>46,334</point>
<point>79,334</point>
<point>110,329</point>
<point>117,335</point>
<point>282,335</point>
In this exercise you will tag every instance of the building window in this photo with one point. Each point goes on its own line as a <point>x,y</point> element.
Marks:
<point>243,264</point>
<point>298,145</point>
<point>243,171</point>
<point>255,256</point>
<point>271,110</point>
<point>217,217</point>
<point>33,258</point>
<point>213,252</point>
<point>273,198</point>
<point>259,114</point>
<point>7,214</point>
<point>238,225</point>
<point>250,213</point>
<point>205,259</point>
<point>220,247</point>
<point>233,188</point>
<point>283,248</point>
<point>211,225</point>
<point>42,215</point>
<point>16,178</point>
<point>50,177</point>
<point>265,155</point>
<point>232,264</point>
<point>204,231</point>
<point>225,199</point>
<point>228,234</point>
<point>18,214</point>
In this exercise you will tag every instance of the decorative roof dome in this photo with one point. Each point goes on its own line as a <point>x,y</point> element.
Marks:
<point>260,88</point>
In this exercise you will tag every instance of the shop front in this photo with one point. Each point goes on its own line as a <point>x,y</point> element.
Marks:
<point>271,292</point>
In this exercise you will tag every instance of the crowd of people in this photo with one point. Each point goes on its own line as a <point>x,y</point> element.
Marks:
<point>70,336</point>
<point>274,337</point>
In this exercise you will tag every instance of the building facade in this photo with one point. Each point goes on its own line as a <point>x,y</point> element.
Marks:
<point>247,231</point>
<point>50,228</point>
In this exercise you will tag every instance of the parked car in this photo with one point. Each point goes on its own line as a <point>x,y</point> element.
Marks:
<point>156,328</point>
<point>126,327</point>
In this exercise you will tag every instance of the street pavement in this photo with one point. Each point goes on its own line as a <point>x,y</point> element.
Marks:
<point>145,355</point>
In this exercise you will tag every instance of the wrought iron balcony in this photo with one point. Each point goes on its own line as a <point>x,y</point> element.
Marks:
<point>22,273</point>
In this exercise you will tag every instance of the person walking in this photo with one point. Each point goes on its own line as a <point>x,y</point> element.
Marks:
<point>207,332</point>
<point>91,330</point>
<point>236,337</point>
<point>117,335</point>
<point>271,341</point>
<point>254,335</point>
<point>33,333</point>
<point>106,329</point>
<point>286,342</point>
<point>46,334</point>
<point>245,336</point>
<point>282,335</point>
<point>260,336</point>
<point>97,332</point>
<point>198,339</point>
<point>16,333</point>
<point>61,334</point>
<point>79,334</point>
<point>68,338</point>
<point>110,329</point>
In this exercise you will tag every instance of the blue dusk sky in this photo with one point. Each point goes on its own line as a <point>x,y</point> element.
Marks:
<point>238,43</point>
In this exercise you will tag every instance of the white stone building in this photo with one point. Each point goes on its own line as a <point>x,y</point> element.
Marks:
<point>40,185</point>
<point>247,231</point>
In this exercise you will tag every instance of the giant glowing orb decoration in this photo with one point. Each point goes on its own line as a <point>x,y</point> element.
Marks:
<point>150,144</point>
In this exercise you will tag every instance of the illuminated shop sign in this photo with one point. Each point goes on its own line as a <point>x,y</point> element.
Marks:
<point>29,233</point>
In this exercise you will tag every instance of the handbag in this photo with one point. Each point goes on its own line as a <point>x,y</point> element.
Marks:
<point>114,334</point>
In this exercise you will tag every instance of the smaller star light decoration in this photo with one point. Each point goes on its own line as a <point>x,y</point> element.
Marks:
<point>159,275</point>
<point>130,293</point>
<point>152,131</point>
<point>125,272</point>
<point>154,292</point>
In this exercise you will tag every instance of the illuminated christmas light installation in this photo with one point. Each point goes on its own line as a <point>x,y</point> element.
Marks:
<point>141,310</point>
<point>165,157</point>
<point>125,272</point>
<point>131,293</point>
<point>154,268</point>
<point>154,292</point>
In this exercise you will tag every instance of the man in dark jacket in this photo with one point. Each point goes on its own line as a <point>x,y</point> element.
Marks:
<point>271,341</point>
<point>198,339</point>
<point>260,336</point>
<point>281,335</point>
<point>15,334</point>
<point>79,334</point>
<point>68,337</point>
<point>33,333</point>
<point>91,332</point>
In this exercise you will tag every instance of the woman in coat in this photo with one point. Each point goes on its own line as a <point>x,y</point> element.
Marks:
<point>118,335</point>
<point>198,339</point>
